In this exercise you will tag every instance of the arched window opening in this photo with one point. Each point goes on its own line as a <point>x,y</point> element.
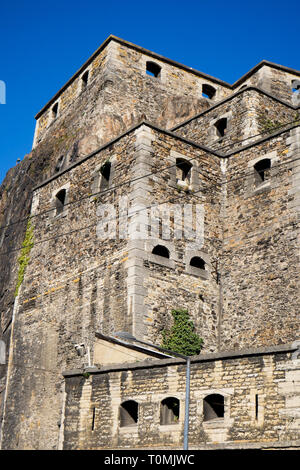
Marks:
<point>153,69</point>
<point>161,250</point>
<point>296,86</point>
<point>129,413</point>
<point>197,262</point>
<point>105,172</point>
<point>55,111</point>
<point>84,80</point>
<point>208,91</point>
<point>213,407</point>
<point>60,200</point>
<point>221,126</point>
<point>183,170</point>
<point>169,411</point>
<point>262,170</point>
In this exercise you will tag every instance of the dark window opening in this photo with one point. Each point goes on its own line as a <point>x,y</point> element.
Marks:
<point>208,91</point>
<point>262,170</point>
<point>129,413</point>
<point>59,163</point>
<point>60,200</point>
<point>93,418</point>
<point>197,262</point>
<point>169,411</point>
<point>256,406</point>
<point>213,407</point>
<point>221,126</point>
<point>183,170</point>
<point>55,111</point>
<point>161,250</point>
<point>153,69</point>
<point>105,172</point>
<point>84,79</point>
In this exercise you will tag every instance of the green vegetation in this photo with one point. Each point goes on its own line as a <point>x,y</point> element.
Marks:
<point>182,338</point>
<point>24,258</point>
<point>268,125</point>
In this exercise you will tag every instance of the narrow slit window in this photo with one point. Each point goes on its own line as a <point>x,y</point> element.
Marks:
<point>161,250</point>
<point>256,407</point>
<point>208,91</point>
<point>169,411</point>
<point>84,80</point>
<point>60,201</point>
<point>213,407</point>
<point>221,126</point>
<point>93,418</point>
<point>153,69</point>
<point>129,413</point>
<point>197,262</point>
<point>55,111</point>
<point>262,171</point>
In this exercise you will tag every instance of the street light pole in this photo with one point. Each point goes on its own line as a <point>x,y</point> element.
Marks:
<point>128,336</point>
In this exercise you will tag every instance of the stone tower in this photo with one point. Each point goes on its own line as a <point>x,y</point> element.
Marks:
<point>131,158</point>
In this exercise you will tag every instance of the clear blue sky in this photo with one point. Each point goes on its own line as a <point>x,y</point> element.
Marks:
<point>44,43</point>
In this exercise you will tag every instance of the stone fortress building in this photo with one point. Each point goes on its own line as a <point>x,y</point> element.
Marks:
<point>133,126</point>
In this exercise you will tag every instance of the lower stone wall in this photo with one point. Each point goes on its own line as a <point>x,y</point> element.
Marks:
<point>257,394</point>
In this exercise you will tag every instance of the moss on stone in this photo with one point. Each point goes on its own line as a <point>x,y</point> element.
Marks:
<point>24,258</point>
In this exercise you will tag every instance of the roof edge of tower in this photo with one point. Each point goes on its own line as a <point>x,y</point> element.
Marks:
<point>164,59</point>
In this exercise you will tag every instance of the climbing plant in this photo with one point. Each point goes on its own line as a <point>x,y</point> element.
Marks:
<point>181,338</point>
<point>24,258</point>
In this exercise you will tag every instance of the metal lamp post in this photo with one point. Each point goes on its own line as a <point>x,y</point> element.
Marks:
<point>128,336</point>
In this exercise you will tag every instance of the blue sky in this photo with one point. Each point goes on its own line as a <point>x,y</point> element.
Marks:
<point>44,43</point>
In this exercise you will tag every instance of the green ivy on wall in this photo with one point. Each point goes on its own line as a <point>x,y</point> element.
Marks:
<point>182,337</point>
<point>24,258</point>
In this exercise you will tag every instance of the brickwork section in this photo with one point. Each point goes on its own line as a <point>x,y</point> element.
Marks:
<point>76,284</point>
<point>261,239</point>
<point>250,114</point>
<point>258,409</point>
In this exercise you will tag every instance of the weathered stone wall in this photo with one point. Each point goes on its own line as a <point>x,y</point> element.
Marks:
<point>261,240</point>
<point>273,79</point>
<point>119,93</point>
<point>70,279</point>
<point>250,114</point>
<point>76,284</point>
<point>260,403</point>
<point>164,284</point>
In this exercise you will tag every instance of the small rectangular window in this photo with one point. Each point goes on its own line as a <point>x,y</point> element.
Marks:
<point>60,200</point>
<point>262,171</point>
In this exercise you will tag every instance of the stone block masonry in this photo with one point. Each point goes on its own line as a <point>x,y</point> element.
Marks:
<point>257,408</point>
<point>231,159</point>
